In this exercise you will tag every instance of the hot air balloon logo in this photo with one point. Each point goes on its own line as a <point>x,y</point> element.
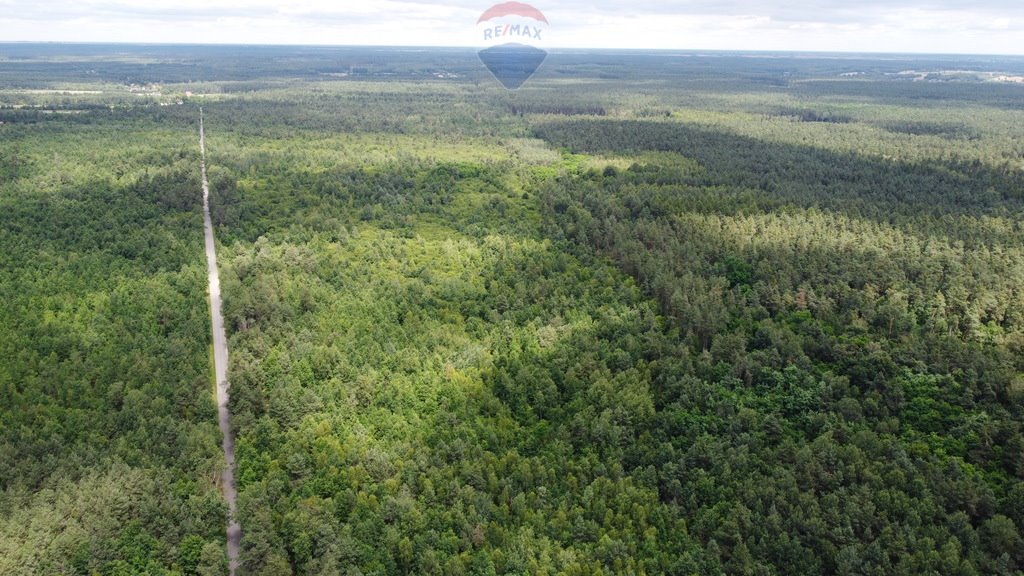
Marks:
<point>512,34</point>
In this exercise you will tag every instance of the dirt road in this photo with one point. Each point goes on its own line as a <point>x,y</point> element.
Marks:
<point>220,362</point>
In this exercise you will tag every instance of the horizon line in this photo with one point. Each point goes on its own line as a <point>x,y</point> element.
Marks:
<point>553,49</point>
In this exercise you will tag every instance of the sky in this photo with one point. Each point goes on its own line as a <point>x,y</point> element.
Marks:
<point>917,26</point>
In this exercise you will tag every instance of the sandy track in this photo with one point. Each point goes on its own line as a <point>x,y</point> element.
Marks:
<point>220,362</point>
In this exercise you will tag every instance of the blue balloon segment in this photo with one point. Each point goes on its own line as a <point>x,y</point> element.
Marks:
<point>512,64</point>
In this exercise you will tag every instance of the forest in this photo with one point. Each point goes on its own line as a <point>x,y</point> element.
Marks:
<point>653,313</point>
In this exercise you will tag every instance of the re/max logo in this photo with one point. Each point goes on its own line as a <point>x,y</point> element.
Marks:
<point>512,30</point>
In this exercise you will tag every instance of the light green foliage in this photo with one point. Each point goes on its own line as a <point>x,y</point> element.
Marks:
<point>394,392</point>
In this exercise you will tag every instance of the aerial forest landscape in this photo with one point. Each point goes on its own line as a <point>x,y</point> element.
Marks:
<point>653,312</point>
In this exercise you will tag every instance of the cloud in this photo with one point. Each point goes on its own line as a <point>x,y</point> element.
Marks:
<point>872,25</point>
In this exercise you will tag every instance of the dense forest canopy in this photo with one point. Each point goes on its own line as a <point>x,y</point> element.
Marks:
<point>654,313</point>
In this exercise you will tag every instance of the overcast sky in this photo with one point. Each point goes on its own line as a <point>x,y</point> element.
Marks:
<point>937,26</point>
